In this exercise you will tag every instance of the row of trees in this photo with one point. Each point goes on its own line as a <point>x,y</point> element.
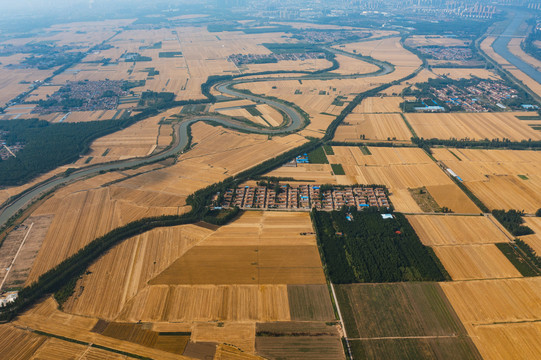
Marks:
<point>512,220</point>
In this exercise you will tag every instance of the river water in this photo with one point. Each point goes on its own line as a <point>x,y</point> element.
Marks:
<point>500,46</point>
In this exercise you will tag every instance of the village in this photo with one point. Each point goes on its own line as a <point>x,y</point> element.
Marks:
<point>304,197</point>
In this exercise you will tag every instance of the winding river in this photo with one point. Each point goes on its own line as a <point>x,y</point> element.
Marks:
<point>295,122</point>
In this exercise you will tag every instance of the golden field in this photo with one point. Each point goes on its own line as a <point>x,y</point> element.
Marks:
<point>474,126</point>
<point>459,73</point>
<point>380,127</point>
<point>502,316</point>
<point>382,104</point>
<point>533,240</point>
<point>514,48</point>
<point>492,175</point>
<point>469,262</point>
<point>158,190</point>
<point>438,230</point>
<point>435,40</point>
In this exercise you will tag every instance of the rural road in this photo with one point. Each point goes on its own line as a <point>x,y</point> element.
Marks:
<point>295,122</point>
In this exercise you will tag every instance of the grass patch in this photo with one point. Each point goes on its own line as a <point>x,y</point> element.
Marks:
<point>338,101</point>
<point>337,169</point>
<point>317,156</point>
<point>170,54</point>
<point>528,117</point>
<point>328,149</point>
<point>521,263</point>
<point>89,159</point>
<point>298,92</point>
<point>523,177</point>
<point>253,110</point>
<point>193,108</point>
<point>365,150</point>
<point>425,201</point>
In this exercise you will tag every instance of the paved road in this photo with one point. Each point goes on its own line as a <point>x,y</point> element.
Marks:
<point>500,46</point>
<point>295,121</point>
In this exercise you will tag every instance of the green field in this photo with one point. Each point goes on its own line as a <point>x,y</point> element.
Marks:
<point>317,156</point>
<point>337,169</point>
<point>387,316</point>
<point>170,54</point>
<point>414,349</point>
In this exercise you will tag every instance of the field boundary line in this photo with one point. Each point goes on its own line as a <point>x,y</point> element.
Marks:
<point>15,257</point>
<point>341,321</point>
<point>407,337</point>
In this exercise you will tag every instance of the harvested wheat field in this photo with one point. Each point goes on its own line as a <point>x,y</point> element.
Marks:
<point>140,139</point>
<point>241,335</point>
<point>442,230</point>
<point>264,264</point>
<point>298,340</point>
<point>452,197</point>
<point>475,126</point>
<point>515,48</point>
<point>501,316</point>
<point>435,40</point>
<point>469,262</point>
<point>379,127</point>
<point>24,243</point>
<point>47,318</point>
<point>461,73</point>
<point>159,303</point>
<point>397,168</point>
<point>501,179</point>
<point>533,240</point>
<point>125,270</point>
<point>382,104</point>
<point>83,216</point>
<point>351,65</point>
<point>18,344</point>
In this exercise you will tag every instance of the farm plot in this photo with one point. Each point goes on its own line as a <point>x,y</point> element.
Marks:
<point>501,316</point>
<point>398,168</point>
<point>245,265</point>
<point>460,73</point>
<point>24,243</point>
<point>189,303</point>
<point>291,340</point>
<point>533,240</point>
<point>379,127</point>
<point>96,213</point>
<point>470,262</point>
<point>476,126</point>
<point>435,40</point>
<point>350,65</point>
<point>388,49</point>
<point>493,176</point>
<point>423,348</point>
<point>310,303</point>
<point>420,311</point>
<point>241,335</point>
<point>47,318</point>
<point>144,256</point>
<point>384,104</point>
<point>138,140</point>
<point>437,230</point>
<point>18,344</point>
